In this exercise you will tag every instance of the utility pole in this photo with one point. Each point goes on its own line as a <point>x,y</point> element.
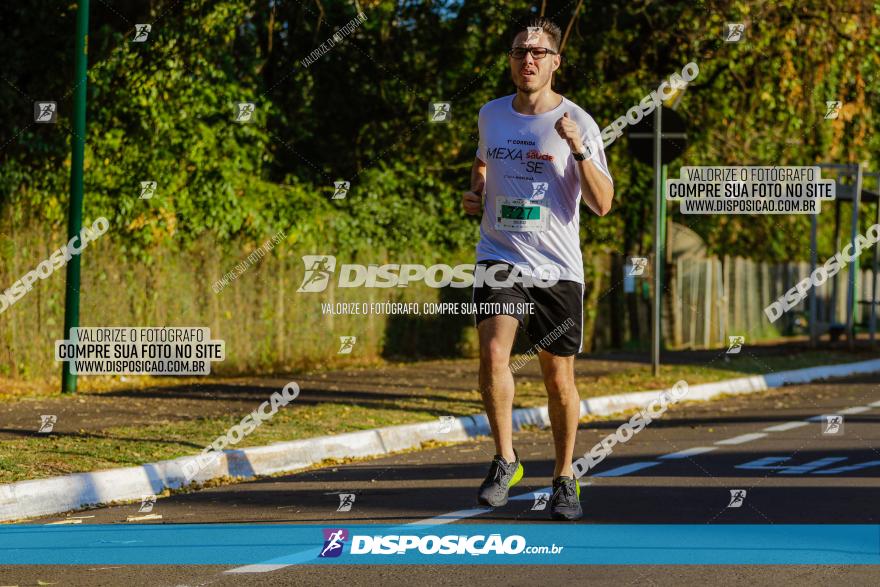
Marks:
<point>658,247</point>
<point>77,155</point>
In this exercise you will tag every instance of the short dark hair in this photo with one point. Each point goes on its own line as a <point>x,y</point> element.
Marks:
<point>545,24</point>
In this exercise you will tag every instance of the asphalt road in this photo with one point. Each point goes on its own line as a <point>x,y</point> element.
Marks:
<point>791,469</point>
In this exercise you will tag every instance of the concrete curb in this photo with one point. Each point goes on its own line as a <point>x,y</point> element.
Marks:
<point>28,499</point>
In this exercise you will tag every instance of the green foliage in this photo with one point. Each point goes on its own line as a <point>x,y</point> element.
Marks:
<point>163,110</point>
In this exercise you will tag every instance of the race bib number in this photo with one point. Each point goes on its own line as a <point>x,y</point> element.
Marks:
<point>519,215</point>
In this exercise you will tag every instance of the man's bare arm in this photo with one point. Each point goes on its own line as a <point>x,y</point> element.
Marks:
<point>597,190</point>
<point>472,201</point>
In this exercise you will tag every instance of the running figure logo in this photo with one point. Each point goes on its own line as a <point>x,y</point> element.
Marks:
<point>346,500</point>
<point>47,423</point>
<point>319,268</point>
<point>539,189</point>
<point>341,190</point>
<point>440,111</point>
<point>141,32</point>
<point>832,424</point>
<point>346,345</point>
<point>148,189</point>
<point>592,146</point>
<point>446,423</point>
<point>637,265</point>
<point>735,344</point>
<point>45,112</point>
<point>832,109</point>
<point>737,497</point>
<point>147,503</point>
<point>541,501</point>
<point>334,541</point>
<point>533,35</point>
<point>735,32</point>
<point>244,111</point>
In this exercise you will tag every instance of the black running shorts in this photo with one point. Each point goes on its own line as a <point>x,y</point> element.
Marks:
<point>556,324</point>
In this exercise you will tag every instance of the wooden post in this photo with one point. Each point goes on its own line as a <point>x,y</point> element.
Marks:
<point>707,303</point>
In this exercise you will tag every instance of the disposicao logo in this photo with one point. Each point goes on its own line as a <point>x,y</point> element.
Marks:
<point>319,269</point>
<point>334,541</point>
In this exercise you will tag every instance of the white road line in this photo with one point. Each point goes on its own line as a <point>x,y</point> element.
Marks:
<point>855,410</point>
<point>627,469</point>
<point>279,562</point>
<point>786,426</point>
<point>689,452</point>
<point>452,516</point>
<point>295,558</point>
<point>531,495</point>
<point>742,439</point>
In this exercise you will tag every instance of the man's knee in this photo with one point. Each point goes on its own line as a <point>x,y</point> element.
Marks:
<point>559,379</point>
<point>494,355</point>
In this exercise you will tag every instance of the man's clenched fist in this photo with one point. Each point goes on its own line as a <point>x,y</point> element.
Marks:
<point>569,132</point>
<point>472,202</point>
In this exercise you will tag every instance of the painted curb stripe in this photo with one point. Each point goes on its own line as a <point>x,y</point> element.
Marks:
<point>28,499</point>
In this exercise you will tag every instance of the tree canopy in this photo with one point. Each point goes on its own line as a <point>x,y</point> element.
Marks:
<point>163,110</point>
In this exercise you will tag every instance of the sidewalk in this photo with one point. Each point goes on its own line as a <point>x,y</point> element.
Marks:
<point>167,419</point>
<point>28,499</point>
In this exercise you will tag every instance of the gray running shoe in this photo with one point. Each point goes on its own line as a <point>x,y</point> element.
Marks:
<point>565,503</point>
<point>502,476</point>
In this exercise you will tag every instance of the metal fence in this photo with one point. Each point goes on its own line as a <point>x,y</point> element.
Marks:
<point>711,299</point>
<point>708,299</point>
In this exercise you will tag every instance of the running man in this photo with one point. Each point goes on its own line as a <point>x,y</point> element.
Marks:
<point>535,136</point>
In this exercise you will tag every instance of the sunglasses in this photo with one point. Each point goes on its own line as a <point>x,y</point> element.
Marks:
<point>537,52</point>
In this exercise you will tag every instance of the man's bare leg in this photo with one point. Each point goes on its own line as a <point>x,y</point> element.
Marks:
<point>563,406</point>
<point>496,380</point>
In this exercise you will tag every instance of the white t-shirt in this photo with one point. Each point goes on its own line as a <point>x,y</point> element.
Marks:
<point>533,192</point>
